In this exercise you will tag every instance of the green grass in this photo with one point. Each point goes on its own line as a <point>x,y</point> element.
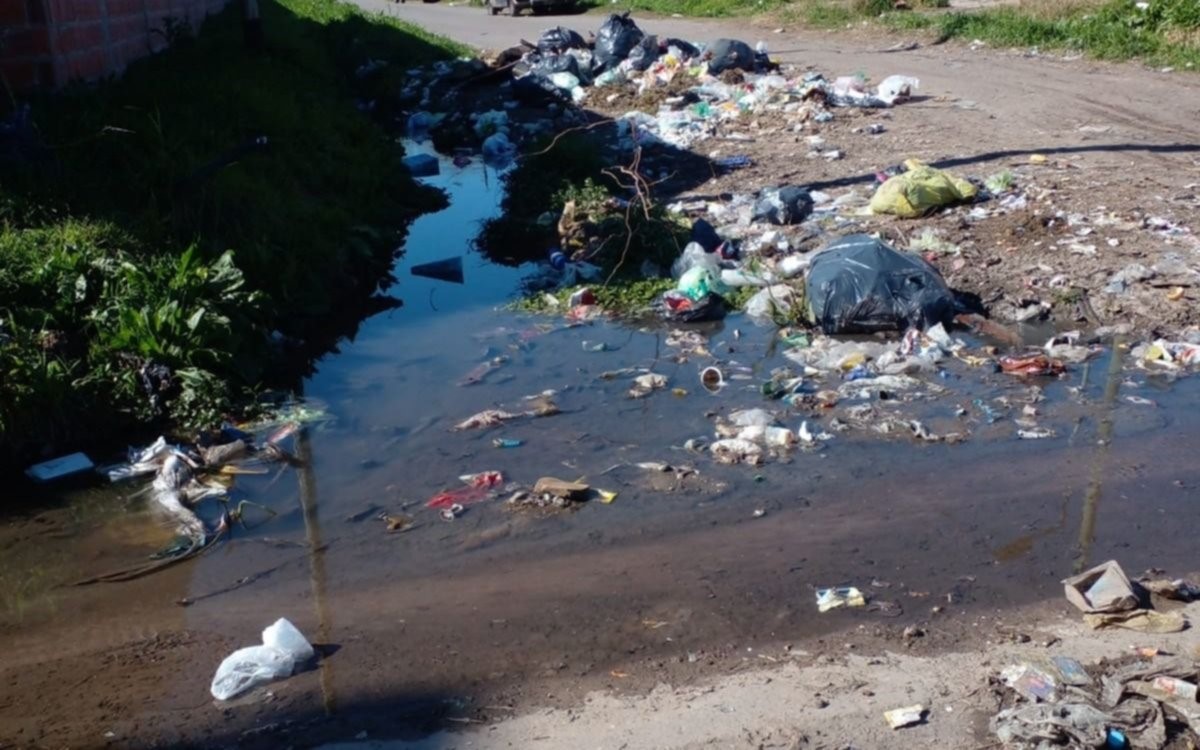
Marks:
<point>150,228</point>
<point>1167,33</point>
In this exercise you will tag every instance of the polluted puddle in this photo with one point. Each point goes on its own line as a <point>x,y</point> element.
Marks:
<point>487,507</point>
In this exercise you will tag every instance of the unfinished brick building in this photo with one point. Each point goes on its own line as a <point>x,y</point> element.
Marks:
<point>48,43</point>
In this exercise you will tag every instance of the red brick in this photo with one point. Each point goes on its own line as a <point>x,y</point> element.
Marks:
<point>87,65</point>
<point>12,13</point>
<point>126,52</point>
<point>77,37</point>
<point>35,11</point>
<point>124,7</point>
<point>127,28</point>
<point>22,76</point>
<point>70,11</point>
<point>30,42</point>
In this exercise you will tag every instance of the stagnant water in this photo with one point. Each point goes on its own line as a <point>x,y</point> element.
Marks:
<point>495,599</point>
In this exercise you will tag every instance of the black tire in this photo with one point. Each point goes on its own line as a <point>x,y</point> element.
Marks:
<point>493,10</point>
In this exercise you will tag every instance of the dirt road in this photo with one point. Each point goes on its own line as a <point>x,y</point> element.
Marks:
<point>1031,103</point>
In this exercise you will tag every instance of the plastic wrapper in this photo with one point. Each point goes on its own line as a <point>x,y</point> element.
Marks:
<point>862,285</point>
<point>679,308</point>
<point>617,37</point>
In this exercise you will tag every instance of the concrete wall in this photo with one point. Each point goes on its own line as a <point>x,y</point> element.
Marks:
<point>48,43</point>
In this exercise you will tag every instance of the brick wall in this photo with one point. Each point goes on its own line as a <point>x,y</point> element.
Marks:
<point>48,43</point>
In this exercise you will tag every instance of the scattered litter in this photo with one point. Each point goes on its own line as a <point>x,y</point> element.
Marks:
<point>448,269</point>
<point>478,488</point>
<point>847,596</point>
<point>60,468</point>
<point>1104,588</point>
<point>898,718</point>
<point>283,649</point>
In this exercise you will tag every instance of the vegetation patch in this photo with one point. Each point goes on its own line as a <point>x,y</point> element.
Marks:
<point>163,235</point>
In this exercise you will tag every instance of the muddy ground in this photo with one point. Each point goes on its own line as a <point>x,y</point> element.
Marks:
<point>689,612</point>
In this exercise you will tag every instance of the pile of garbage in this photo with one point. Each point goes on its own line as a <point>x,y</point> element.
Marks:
<point>1142,701</point>
<point>706,83</point>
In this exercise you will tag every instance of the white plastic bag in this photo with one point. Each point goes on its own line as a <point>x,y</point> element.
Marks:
<point>894,88</point>
<point>693,255</point>
<point>284,636</point>
<point>284,648</point>
<point>247,668</point>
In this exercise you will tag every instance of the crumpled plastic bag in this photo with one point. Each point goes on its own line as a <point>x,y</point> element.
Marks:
<point>860,284</point>
<point>784,205</point>
<point>559,39</point>
<point>776,302</point>
<point>920,190</point>
<point>617,37</point>
<point>283,648</point>
<point>644,54</point>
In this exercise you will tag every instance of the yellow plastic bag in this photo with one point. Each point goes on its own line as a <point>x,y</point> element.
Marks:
<point>920,190</point>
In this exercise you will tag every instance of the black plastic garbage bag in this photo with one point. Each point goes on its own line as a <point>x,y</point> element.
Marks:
<point>677,307</point>
<point>688,49</point>
<point>784,205</point>
<point>536,91</point>
<point>547,64</point>
<point>729,54</point>
<point>560,39</point>
<point>615,40</point>
<point>860,284</point>
<point>644,53</point>
<point>705,235</point>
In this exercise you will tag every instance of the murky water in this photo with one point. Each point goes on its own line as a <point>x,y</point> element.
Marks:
<point>723,557</point>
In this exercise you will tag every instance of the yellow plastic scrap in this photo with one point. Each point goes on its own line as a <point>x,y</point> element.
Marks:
<point>920,190</point>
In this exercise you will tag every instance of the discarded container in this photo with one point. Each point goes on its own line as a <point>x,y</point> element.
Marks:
<point>283,648</point>
<point>422,165</point>
<point>1104,588</point>
<point>860,284</point>
<point>898,718</point>
<point>1165,688</point>
<point>60,468</point>
<point>712,379</point>
<point>846,596</point>
<point>449,270</point>
<point>507,443</point>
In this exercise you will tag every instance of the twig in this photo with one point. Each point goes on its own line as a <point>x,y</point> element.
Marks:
<point>558,136</point>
